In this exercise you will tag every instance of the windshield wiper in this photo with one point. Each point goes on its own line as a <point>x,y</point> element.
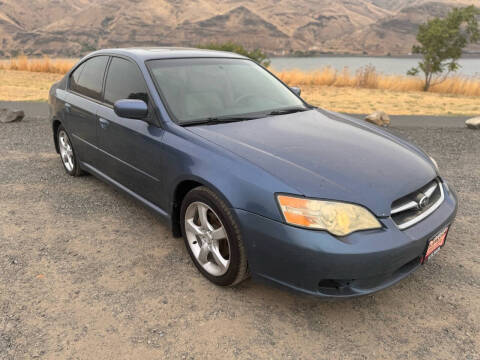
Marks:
<point>225,119</point>
<point>218,120</point>
<point>287,111</point>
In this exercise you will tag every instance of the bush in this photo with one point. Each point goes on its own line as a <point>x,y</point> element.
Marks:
<point>257,55</point>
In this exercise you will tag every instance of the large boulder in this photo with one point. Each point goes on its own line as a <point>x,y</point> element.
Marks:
<point>8,115</point>
<point>473,123</point>
<point>379,118</point>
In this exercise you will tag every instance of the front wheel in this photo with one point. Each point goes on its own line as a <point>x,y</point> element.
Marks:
<point>212,238</point>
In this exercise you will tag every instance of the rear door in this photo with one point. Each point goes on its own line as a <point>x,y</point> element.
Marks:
<point>130,150</point>
<point>85,92</point>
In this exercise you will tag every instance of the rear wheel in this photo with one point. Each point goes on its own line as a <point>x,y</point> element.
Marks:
<point>213,238</point>
<point>67,154</point>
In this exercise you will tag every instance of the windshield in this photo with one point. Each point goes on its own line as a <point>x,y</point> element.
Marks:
<point>216,88</point>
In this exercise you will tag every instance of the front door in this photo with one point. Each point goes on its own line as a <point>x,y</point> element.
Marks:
<point>130,150</point>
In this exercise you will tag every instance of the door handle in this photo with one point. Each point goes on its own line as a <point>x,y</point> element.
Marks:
<point>67,107</point>
<point>104,123</point>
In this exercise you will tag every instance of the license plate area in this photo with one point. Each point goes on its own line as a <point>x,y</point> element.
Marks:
<point>435,244</point>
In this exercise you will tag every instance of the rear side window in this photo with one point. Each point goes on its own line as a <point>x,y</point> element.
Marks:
<point>87,79</point>
<point>75,77</point>
<point>124,81</point>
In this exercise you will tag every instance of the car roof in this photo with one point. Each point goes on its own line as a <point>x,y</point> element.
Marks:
<point>150,53</point>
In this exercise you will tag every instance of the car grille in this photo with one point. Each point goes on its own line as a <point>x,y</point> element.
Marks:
<point>410,209</point>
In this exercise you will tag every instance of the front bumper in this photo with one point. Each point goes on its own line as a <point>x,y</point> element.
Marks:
<point>320,264</point>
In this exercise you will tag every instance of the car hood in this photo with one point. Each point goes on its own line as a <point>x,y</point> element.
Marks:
<point>329,156</point>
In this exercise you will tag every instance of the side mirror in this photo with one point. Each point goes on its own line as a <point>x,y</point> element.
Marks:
<point>131,109</point>
<point>296,90</point>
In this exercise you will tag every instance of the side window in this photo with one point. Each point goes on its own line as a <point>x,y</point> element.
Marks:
<point>87,78</point>
<point>124,81</point>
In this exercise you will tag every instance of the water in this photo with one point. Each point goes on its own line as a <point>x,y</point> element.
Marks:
<point>386,65</point>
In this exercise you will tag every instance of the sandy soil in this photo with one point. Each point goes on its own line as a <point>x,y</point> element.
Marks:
<point>88,273</point>
<point>366,101</point>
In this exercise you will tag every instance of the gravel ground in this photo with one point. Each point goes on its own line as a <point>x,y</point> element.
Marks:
<point>88,273</point>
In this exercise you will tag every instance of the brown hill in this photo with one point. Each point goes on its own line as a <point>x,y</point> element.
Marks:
<point>394,34</point>
<point>74,27</point>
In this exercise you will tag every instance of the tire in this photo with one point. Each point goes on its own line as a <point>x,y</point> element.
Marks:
<point>67,153</point>
<point>223,246</point>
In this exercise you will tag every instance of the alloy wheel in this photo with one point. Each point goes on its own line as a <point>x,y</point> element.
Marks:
<point>207,238</point>
<point>66,151</point>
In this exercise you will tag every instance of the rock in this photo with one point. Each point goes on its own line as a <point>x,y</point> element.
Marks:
<point>473,123</point>
<point>8,115</point>
<point>379,118</point>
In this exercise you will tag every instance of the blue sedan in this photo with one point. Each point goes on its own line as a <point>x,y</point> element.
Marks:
<point>255,180</point>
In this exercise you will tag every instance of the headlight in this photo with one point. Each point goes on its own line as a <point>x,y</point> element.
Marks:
<point>434,163</point>
<point>337,218</point>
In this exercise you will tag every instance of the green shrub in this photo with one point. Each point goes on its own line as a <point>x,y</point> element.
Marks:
<point>257,55</point>
<point>441,43</point>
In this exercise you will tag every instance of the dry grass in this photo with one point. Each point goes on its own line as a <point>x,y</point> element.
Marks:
<point>44,64</point>
<point>369,78</point>
<point>365,78</point>
<point>24,85</point>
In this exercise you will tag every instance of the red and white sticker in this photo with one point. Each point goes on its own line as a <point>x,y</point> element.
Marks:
<point>436,243</point>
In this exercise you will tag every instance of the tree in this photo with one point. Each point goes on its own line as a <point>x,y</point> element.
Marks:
<point>257,55</point>
<point>442,42</point>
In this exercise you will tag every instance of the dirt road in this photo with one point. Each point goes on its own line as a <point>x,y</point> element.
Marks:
<point>88,273</point>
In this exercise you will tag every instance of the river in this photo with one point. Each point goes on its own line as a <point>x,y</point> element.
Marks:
<point>386,65</point>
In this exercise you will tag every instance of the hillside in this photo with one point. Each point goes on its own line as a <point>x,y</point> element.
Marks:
<point>393,34</point>
<point>74,27</point>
